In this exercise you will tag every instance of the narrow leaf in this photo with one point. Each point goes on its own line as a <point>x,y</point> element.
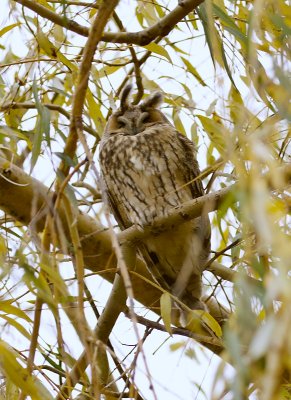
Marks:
<point>193,71</point>
<point>210,322</point>
<point>19,375</point>
<point>158,49</point>
<point>8,28</point>
<point>8,308</point>
<point>42,126</point>
<point>166,309</point>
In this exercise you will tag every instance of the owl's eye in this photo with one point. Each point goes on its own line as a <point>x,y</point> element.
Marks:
<point>145,117</point>
<point>121,122</point>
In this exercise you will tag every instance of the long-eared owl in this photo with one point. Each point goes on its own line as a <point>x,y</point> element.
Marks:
<point>147,168</point>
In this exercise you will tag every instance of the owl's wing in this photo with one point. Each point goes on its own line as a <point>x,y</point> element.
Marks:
<point>191,167</point>
<point>118,214</point>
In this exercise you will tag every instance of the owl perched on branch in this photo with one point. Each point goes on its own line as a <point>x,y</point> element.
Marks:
<point>148,168</point>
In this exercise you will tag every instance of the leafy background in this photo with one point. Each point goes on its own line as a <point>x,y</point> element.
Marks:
<point>224,71</point>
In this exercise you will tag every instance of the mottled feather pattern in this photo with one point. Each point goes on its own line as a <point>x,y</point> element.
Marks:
<point>151,168</point>
<point>148,168</point>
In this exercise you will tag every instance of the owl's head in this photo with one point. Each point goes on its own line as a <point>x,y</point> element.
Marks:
<point>132,119</point>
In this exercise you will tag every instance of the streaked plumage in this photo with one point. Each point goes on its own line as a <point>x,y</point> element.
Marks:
<point>148,168</point>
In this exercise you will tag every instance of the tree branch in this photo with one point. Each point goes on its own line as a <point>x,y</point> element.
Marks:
<point>177,331</point>
<point>188,211</point>
<point>142,38</point>
<point>53,107</point>
<point>76,124</point>
<point>115,305</point>
<point>28,201</point>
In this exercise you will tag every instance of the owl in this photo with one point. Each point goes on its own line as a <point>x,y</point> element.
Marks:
<point>147,169</point>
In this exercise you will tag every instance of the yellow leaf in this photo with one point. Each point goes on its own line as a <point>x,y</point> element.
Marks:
<point>177,346</point>
<point>216,131</point>
<point>158,49</point>
<point>194,319</point>
<point>45,4</point>
<point>210,322</point>
<point>45,44</point>
<point>3,249</point>
<point>17,326</point>
<point>66,61</point>
<point>95,112</point>
<point>12,369</point>
<point>8,308</point>
<point>108,70</point>
<point>178,123</point>
<point>193,71</point>
<point>166,309</point>
<point>13,132</point>
<point>193,322</point>
<point>8,28</point>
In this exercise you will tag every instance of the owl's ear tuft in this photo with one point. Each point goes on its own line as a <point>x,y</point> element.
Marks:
<point>124,97</point>
<point>153,101</point>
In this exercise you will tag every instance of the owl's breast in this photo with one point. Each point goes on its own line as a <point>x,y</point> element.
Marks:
<point>143,174</point>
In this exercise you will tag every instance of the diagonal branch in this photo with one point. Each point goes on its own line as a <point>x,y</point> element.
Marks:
<point>28,201</point>
<point>142,38</point>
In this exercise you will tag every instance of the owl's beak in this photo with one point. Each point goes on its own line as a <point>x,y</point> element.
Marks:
<point>137,129</point>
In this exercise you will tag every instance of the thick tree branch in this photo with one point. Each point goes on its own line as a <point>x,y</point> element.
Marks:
<point>115,305</point>
<point>29,201</point>
<point>142,38</point>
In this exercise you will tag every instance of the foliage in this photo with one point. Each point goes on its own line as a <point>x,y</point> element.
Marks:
<point>224,70</point>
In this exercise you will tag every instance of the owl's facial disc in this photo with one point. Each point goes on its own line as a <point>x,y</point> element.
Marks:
<point>133,121</point>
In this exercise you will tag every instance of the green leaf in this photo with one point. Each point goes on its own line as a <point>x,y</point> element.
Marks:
<point>214,42</point>
<point>262,339</point>
<point>42,127</point>
<point>201,11</point>
<point>166,310</point>
<point>230,25</point>
<point>158,49</point>
<point>36,147</point>
<point>226,63</point>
